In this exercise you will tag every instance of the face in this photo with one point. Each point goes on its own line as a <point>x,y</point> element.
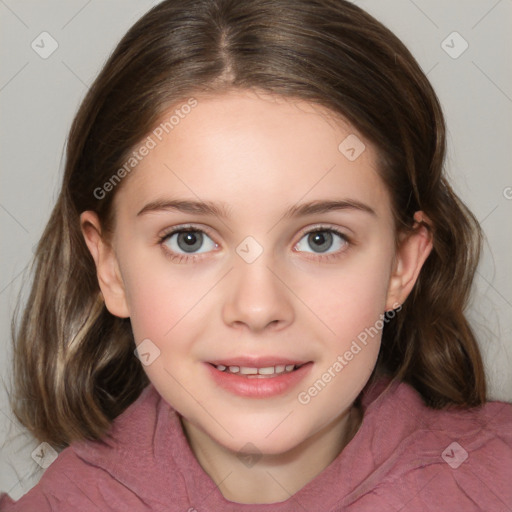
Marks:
<point>280,275</point>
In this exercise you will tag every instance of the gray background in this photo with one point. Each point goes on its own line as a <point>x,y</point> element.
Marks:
<point>39,97</point>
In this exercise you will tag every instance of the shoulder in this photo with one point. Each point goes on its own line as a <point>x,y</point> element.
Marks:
<point>72,482</point>
<point>92,475</point>
<point>441,459</point>
<point>57,486</point>
<point>403,409</point>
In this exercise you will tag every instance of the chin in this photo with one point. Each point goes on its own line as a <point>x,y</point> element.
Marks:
<point>267,438</point>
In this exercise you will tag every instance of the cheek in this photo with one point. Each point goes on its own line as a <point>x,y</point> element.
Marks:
<point>354,297</point>
<point>159,294</point>
<point>352,307</point>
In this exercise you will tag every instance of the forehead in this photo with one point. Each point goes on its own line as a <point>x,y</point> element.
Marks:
<point>248,148</point>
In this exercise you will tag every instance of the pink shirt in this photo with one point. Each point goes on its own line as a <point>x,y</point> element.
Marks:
<point>404,456</point>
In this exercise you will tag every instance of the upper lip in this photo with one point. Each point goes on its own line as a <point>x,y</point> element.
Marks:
<point>257,362</point>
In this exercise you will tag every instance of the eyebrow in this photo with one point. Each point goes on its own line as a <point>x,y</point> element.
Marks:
<point>222,210</point>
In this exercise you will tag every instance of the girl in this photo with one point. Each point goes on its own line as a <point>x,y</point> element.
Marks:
<point>250,294</point>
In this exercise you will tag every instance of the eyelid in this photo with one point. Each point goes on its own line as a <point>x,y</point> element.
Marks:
<point>324,227</point>
<point>177,257</point>
<point>166,233</point>
<point>325,257</point>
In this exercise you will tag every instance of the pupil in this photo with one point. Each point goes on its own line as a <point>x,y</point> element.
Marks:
<point>322,239</point>
<point>190,241</point>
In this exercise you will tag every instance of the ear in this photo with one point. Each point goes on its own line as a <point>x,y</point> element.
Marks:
<point>107,268</point>
<point>412,252</point>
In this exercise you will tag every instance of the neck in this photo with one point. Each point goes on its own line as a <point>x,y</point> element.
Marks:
<point>276,477</point>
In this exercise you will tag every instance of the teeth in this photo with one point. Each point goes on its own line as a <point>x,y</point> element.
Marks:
<point>268,370</point>
<point>248,371</point>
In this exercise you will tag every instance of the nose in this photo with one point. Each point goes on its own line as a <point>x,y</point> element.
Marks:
<point>256,297</point>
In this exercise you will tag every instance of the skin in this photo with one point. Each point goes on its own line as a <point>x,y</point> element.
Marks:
<point>259,154</point>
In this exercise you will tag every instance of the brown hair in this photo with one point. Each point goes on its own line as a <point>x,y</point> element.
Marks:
<point>74,366</point>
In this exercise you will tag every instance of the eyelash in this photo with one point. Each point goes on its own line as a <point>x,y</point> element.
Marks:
<point>183,258</point>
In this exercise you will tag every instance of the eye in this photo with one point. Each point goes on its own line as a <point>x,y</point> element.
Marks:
<point>188,241</point>
<point>322,240</point>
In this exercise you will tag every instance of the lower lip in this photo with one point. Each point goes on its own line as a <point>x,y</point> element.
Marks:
<point>259,387</point>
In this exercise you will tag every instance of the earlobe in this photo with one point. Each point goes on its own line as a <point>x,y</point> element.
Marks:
<point>412,253</point>
<point>107,268</point>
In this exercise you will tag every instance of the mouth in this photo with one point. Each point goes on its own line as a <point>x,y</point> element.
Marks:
<point>258,377</point>
<point>257,372</point>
